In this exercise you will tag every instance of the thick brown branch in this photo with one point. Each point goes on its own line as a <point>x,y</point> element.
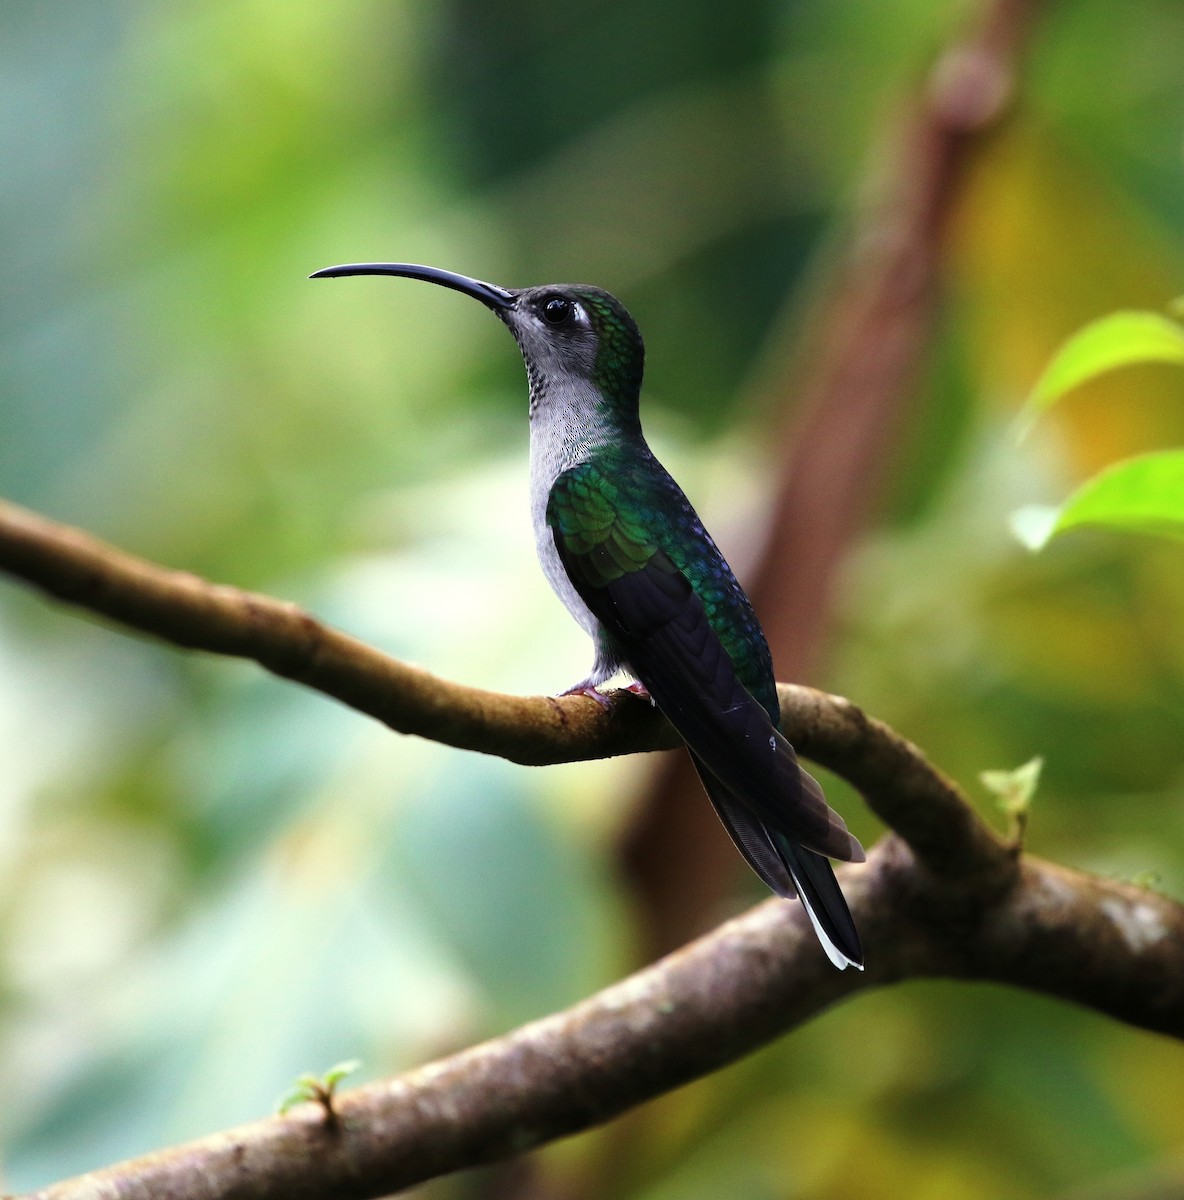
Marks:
<point>1109,946</point>
<point>906,792</point>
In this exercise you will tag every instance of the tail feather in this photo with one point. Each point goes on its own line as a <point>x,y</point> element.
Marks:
<point>824,903</point>
<point>790,870</point>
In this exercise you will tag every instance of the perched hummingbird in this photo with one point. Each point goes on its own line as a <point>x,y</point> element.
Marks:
<point>629,557</point>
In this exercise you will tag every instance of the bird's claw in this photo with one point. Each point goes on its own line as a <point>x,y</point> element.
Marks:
<point>592,692</point>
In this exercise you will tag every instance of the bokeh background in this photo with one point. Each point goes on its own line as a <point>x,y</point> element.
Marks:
<point>212,881</point>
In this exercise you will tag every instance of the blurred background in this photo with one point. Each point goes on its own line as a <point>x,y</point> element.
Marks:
<point>212,881</point>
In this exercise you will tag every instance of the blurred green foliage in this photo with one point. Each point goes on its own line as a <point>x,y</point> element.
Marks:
<point>1143,494</point>
<point>211,882</point>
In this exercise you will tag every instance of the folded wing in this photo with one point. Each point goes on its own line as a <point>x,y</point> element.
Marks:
<point>662,630</point>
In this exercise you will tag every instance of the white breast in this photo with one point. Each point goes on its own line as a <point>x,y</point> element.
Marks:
<point>561,436</point>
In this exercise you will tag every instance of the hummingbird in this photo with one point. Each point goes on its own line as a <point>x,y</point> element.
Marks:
<point>629,557</point>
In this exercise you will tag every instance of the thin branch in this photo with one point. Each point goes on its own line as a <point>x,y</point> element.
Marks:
<point>906,792</point>
<point>1109,946</point>
<point>192,613</point>
<point>910,795</point>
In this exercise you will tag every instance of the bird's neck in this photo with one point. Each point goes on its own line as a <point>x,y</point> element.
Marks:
<point>572,422</point>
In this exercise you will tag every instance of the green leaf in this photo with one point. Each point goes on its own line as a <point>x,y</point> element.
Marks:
<point>1118,340</point>
<point>1014,789</point>
<point>1143,495</point>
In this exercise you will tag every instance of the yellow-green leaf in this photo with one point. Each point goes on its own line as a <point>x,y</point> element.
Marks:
<point>1143,494</point>
<point>1118,340</point>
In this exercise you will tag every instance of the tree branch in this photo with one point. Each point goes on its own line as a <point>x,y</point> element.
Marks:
<point>905,791</point>
<point>1109,946</point>
<point>178,607</point>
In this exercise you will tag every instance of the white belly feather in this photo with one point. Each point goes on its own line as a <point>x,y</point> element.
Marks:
<point>562,436</point>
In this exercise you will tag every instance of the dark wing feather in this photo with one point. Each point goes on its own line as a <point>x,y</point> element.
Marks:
<point>749,835</point>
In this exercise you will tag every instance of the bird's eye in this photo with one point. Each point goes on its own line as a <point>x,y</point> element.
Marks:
<point>557,310</point>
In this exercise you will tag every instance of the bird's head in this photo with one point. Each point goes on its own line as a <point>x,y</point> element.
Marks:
<point>566,332</point>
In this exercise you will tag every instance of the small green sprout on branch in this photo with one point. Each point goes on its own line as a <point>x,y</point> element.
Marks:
<point>1013,790</point>
<point>318,1089</point>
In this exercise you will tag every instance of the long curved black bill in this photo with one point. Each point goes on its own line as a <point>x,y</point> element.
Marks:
<point>489,294</point>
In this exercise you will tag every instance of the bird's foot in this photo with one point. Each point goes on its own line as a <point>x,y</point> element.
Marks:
<point>592,692</point>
